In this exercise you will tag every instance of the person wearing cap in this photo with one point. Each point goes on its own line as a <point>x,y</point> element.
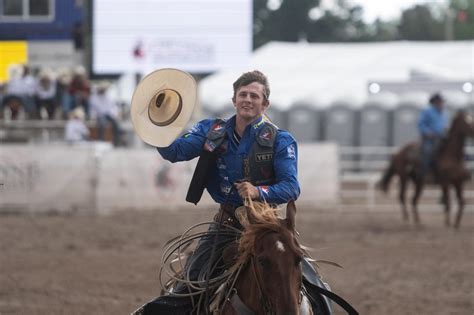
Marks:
<point>45,93</point>
<point>76,130</point>
<point>432,125</point>
<point>244,156</point>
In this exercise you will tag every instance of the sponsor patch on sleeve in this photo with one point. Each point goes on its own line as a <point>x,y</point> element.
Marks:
<point>194,129</point>
<point>291,152</point>
<point>265,189</point>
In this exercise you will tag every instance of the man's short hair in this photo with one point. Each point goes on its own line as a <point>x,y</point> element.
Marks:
<point>250,77</point>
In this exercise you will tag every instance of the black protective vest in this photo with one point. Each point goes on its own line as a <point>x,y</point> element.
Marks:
<point>258,165</point>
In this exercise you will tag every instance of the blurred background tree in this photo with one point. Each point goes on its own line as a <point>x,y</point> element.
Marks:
<point>342,21</point>
<point>463,11</point>
<point>420,23</point>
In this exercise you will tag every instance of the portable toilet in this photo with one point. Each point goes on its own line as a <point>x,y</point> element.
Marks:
<point>455,101</point>
<point>374,125</point>
<point>277,116</point>
<point>340,124</point>
<point>405,120</point>
<point>304,122</point>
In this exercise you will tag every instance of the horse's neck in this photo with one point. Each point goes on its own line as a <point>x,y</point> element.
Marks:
<point>454,146</point>
<point>247,290</point>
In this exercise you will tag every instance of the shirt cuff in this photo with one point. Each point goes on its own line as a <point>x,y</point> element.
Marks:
<point>263,192</point>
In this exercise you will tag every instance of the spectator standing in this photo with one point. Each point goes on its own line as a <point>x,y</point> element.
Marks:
<point>78,36</point>
<point>105,110</point>
<point>79,90</point>
<point>28,83</point>
<point>75,129</point>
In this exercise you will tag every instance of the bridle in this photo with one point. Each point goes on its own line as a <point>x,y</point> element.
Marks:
<point>267,304</point>
<point>268,307</point>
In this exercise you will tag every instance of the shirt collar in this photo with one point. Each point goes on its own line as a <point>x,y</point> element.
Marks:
<point>255,125</point>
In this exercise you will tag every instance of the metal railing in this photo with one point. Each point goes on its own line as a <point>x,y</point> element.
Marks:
<point>361,169</point>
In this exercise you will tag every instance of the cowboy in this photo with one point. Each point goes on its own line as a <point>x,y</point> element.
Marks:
<point>244,156</point>
<point>432,124</point>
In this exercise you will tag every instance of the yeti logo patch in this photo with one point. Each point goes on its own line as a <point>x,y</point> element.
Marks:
<point>264,157</point>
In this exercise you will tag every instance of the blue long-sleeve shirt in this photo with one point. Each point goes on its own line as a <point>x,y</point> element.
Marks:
<point>432,121</point>
<point>229,166</point>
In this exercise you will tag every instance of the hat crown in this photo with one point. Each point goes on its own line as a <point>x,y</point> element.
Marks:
<point>162,105</point>
<point>165,107</point>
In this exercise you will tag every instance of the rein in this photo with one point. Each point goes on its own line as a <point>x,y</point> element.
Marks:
<point>237,303</point>
<point>267,305</point>
<point>241,308</point>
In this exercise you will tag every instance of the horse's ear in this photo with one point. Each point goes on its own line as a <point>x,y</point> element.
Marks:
<point>291,215</point>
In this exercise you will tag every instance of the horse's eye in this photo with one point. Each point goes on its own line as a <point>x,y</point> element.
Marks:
<point>264,262</point>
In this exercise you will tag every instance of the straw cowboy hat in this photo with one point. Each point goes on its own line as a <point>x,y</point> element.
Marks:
<point>78,113</point>
<point>162,105</point>
<point>46,73</point>
<point>103,86</point>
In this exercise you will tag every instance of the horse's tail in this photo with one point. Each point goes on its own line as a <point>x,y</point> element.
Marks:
<point>387,176</point>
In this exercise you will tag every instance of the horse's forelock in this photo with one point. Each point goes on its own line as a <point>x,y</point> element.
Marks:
<point>256,232</point>
<point>263,219</point>
<point>258,212</point>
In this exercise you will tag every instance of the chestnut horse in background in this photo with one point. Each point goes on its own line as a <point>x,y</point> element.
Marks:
<point>449,164</point>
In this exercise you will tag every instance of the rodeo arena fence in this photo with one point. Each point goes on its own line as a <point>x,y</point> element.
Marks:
<point>342,154</point>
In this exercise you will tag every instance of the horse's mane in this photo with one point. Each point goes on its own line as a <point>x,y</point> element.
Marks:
<point>455,122</point>
<point>261,218</point>
<point>452,133</point>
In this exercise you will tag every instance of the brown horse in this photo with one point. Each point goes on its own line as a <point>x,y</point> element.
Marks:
<point>269,279</point>
<point>263,274</point>
<point>449,164</point>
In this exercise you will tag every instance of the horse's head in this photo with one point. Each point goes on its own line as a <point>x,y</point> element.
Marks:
<point>275,256</point>
<point>463,123</point>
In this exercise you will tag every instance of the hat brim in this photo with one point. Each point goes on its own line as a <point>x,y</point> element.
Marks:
<point>181,82</point>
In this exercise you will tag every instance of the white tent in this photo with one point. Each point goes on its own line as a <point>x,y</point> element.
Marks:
<point>324,73</point>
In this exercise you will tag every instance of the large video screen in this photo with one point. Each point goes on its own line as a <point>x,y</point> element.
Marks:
<point>194,35</point>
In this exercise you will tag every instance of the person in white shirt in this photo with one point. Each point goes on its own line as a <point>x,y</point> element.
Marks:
<point>19,92</point>
<point>105,110</point>
<point>75,129</point>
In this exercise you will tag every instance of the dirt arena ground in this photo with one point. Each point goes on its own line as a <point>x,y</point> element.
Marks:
<point>90,264</point>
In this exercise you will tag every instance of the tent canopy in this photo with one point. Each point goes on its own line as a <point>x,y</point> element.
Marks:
<point>323,73</point>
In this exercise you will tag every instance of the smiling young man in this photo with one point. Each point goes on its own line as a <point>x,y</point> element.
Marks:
<point>244,156</point>
<point>253,158</point>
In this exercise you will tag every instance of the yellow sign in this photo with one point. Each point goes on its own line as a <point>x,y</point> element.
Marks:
<point>11,52</point>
